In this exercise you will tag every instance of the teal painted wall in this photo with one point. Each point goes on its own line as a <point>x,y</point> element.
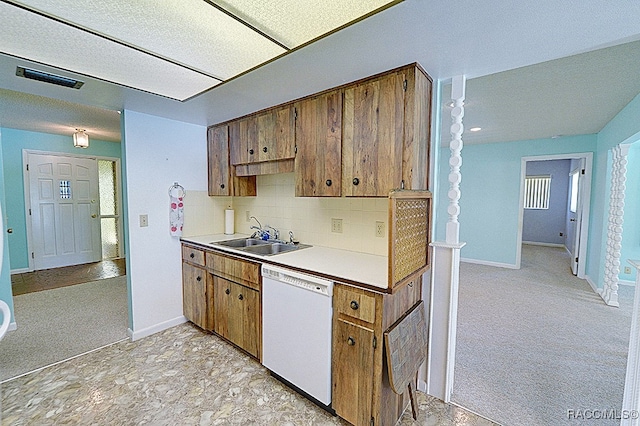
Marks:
<point>13,142</point>
<point>490,187</point>
<point>6,293</point>
<point>623,128</point>
<point>631,226</point>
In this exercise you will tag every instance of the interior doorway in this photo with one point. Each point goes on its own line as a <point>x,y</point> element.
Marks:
<point>577,204</point>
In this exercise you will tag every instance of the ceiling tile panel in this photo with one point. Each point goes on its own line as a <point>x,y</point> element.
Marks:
<point>40,39</point>
<point>295,22</point>
<point>190,32</point>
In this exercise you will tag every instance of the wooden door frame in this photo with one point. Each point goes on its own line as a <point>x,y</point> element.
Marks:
<point>585,207</point>
<point>27,193</point>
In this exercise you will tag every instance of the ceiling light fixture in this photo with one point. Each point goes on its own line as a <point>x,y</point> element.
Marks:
<point>80,139</point>
<point>475,129</point>
<point>46,77</point>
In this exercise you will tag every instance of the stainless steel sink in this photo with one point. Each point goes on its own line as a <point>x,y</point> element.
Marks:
<point>270,249</point>
<point>260,247</point>
<point>242,242</point>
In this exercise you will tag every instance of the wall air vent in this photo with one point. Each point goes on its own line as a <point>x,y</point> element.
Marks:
<point>48,78</point>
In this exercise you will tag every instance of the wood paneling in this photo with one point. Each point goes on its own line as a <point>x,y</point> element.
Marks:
<point>417,129</point>
<point>266,168</point>
<point>372,140</point>
<point>318,163</point>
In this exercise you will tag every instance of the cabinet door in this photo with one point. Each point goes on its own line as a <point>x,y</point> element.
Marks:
<point>241,132</point>
<point>373,122</point>
<point>221,173</point>
<point>352,372</point>
<point>194,296</point>
<point>318,164</point>
<point>276,134</point>
<point>221,297</point>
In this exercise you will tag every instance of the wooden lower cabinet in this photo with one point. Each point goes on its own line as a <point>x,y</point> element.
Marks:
<point>361,393</point>
<point>196,294</point>
<point>237,314</point>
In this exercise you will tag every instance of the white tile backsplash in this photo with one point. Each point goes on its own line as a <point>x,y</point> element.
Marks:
<point>309,218</point>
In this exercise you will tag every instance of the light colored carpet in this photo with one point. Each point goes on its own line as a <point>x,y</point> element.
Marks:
<point>536,342</point>
<point>54,325</point>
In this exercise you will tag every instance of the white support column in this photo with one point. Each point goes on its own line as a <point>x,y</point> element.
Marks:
<point>631,399</point>
<point>446,267</point>
<point>609,292</point>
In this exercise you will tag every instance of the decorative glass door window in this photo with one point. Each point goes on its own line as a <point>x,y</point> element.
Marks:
<point>65,189</point>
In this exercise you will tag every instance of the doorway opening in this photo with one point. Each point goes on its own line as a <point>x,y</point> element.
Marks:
<point>571,209</point>
<point>73,210</point>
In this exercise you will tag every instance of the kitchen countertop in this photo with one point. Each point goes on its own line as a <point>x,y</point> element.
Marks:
<point>343,265</point>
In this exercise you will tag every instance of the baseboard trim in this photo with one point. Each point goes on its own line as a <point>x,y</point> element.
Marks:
<point>627,282</point>
<point>139,334</point>
<point>489,263</point>
<point>20,271</point>
<point>593,285</point>
<point>535,243</point>
<point>12,326</point>
<point>422,386</point>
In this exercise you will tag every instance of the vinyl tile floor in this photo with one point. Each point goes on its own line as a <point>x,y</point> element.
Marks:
<point>181,376</point>
<point>47,279</point>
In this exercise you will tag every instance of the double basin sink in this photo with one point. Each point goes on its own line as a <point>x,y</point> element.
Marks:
<point>260,247</point>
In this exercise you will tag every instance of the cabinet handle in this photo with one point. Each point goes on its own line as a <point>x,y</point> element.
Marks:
<point>356,181</point>
<point>354,305</point>
<point>192,255</point>
<point>240,297</point>
<point>251,152</point>
<point>264,149</point>
<point>351,341</point>
<point>227,291</point>
<point>199,279</point>
<point>222,185</point>
<point>328,182</point>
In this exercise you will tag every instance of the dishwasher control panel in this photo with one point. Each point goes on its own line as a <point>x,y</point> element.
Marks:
<point>297,279</point>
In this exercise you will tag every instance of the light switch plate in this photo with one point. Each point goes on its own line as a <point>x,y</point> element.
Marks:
<point>336,225</point>
<point>144,220</point>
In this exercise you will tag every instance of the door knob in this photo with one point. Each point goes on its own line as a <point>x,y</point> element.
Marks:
<point>351,341</point>
<point>94,215</point>
<point>572,220</point>
<point>10,231</point>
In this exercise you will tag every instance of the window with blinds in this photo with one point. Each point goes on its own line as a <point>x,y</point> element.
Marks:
<point>536,192</point>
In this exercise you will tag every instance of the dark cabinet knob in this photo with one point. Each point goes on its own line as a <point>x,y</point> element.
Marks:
<point>264,149</point>
<point>227,291</point>
<point>251,152</point>
<point>356,181</point>
<point>222,185</point>
<point>192,255</point>
<point>351,341</point>
<point>240,297</point>
<point>199,279</point>
<point>354,305</point>
<point>328,182</point>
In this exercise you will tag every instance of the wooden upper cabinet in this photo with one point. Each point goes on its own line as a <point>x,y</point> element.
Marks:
<point>221,177</point>
<point>373,127</point>
<point>266,136</point>
<point>318,138</point>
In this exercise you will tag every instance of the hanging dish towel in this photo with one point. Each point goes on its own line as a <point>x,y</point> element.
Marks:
<point>176,216</point>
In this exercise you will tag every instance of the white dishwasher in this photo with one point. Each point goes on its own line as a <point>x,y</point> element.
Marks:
<point>296,330</point>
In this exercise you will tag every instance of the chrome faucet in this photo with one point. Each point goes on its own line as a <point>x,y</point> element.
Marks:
<point>275,235</point>
<point>259,231</point>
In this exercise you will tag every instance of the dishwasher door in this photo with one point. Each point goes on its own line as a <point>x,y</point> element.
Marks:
<point>296,330</point>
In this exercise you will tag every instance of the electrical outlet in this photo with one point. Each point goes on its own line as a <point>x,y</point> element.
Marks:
<point>379,229</point>
<point>336,225</point>
<point>144,220</point>
<point>627,269</point>
<point>247,216</point>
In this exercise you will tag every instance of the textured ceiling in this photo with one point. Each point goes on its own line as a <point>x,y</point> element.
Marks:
<point>173,48</point>
<point>575,95</point>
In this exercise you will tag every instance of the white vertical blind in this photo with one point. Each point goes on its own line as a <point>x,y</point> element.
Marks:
<point>536,192</point>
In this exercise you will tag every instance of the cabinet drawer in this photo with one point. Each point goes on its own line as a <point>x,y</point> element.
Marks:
<point>242,271</point>
<point>193,255</point>
<point>355,303</point>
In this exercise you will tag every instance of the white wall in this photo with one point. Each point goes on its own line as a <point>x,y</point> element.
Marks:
<point>157,152</point>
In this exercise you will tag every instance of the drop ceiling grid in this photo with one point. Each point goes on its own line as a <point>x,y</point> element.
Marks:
<point>191,32</point>
<point>27,35</point>
<point>295,22</point>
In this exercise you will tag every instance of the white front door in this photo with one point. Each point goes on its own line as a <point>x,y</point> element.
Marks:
<point>64,210</point>
<point>575,215</point>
